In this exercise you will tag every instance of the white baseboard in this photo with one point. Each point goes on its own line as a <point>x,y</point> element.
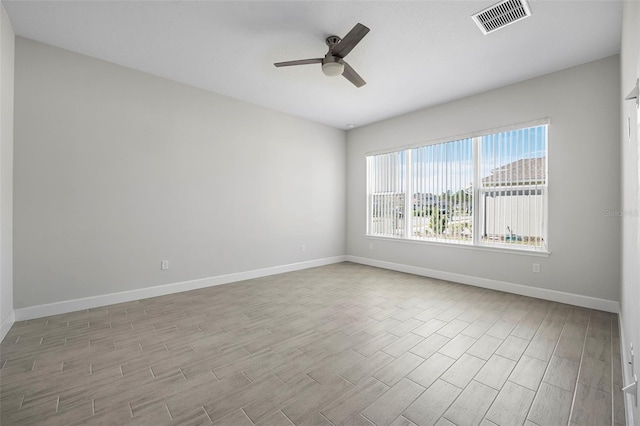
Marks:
<point>6,324</point>
<point>66,306</point>
<point>523,290</point>
<point>73,305</point>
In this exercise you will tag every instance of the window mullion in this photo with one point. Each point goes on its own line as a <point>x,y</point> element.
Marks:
<point>408,196</point>
<point>477,214</point>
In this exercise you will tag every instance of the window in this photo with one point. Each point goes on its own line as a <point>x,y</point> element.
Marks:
<point>489,190</point>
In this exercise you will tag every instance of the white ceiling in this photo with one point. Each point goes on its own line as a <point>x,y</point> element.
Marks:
<point>418,53</point>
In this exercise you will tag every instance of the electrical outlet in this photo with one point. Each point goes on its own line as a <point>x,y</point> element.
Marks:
<point>370,246</point>
<point>536,268</point>
<point>303,248</point>
<point>164,265</point>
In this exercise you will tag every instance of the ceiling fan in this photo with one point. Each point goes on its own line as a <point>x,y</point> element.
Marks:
<point>333,63</point>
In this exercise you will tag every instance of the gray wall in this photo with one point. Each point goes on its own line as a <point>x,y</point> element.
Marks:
<point>630,291</point>
<point>6,167</point>
<point>116,170</point>
<point>584,158</point>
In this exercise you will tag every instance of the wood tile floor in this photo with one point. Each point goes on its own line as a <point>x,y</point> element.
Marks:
<point>343,344</point>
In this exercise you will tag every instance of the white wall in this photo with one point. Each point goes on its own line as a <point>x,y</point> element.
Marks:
<point>584,158</point>
<point>7,39</point>
<point>116,170</point>
<point>630,291</point>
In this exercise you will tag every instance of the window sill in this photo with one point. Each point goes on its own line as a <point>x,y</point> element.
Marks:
<point>465,246</point>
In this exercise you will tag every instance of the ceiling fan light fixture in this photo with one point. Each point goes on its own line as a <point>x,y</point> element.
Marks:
<point>333,63</point>
<point>332,69</point>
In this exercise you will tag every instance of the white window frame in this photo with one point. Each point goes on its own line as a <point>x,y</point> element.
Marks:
<point>478,216</point>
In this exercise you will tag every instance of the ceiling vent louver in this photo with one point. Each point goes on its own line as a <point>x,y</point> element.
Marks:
<point>501,14</point>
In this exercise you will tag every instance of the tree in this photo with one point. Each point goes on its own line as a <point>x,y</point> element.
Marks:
<point>438,220</point>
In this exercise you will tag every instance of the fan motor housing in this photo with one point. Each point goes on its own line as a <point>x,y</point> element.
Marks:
<point>330,58</point>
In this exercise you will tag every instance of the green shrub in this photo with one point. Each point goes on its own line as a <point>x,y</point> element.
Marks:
<point>458,228</point>
<point>439,220</point>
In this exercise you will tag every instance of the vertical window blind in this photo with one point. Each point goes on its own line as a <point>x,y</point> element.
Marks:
<point>387,194</point>
<point>489,190</point>
<point>442,179</point>
<point>512,188</point>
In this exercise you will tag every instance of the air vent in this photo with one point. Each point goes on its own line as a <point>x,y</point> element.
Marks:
<point>501,14</point>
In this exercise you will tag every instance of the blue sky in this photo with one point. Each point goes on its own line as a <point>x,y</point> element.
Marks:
<point>451,164</point>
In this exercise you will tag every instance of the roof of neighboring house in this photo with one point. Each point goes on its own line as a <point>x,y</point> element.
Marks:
<point>525,171</point>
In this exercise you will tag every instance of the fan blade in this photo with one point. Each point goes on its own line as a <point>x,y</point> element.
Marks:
<point>350,41</point>
<point>351,75</point>
<point>299,62</point>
